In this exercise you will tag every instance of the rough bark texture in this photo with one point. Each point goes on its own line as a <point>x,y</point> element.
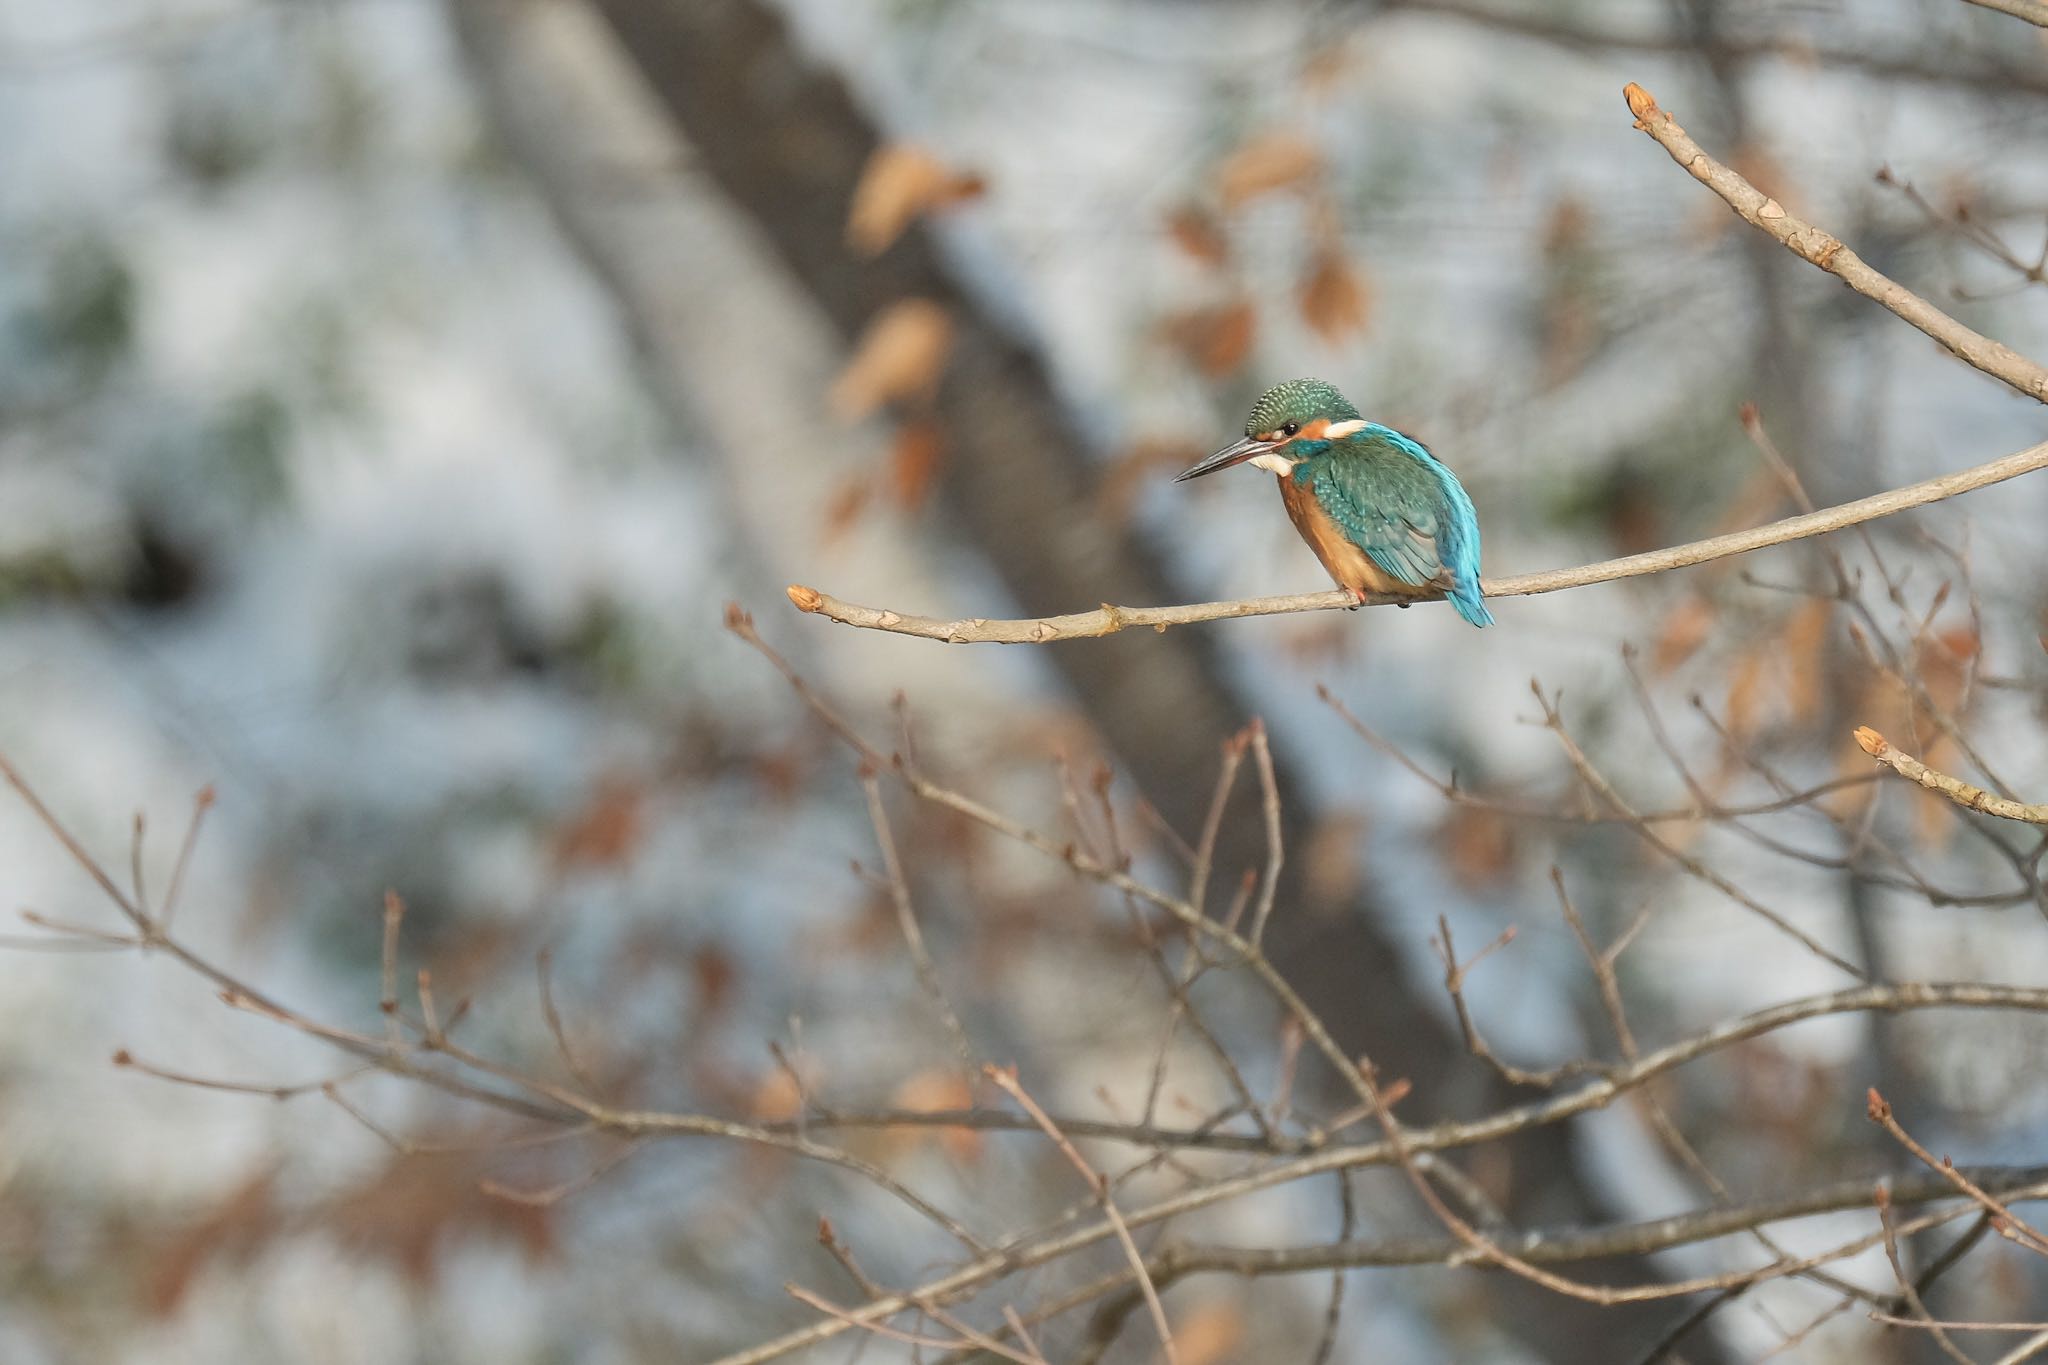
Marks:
<point>786,141</point>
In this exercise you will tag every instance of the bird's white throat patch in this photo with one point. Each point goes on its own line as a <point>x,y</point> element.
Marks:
<point>1273,462</point>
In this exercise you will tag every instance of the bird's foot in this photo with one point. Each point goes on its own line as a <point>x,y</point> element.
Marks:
<point>1357,598</point>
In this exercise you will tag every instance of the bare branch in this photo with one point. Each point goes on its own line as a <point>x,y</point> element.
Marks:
<point>2033,11</point>
<point>1108,620</point>
<point>1825,250</point>
<point>1954,788</point>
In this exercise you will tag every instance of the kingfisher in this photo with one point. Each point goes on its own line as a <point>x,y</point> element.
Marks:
<point>1382,513</point>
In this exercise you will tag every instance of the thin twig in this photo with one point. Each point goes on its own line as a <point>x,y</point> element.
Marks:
<point>1269,805</point>
<point>2007,1223</point>
<point>542,962</point>
<point>1954,788</point>
<point>1006,1079</point>
<point>1922,1318</point>
<point>201,803</point>
<point>906,921</point>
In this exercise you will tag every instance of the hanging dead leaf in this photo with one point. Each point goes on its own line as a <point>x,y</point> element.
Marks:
<point>934,1090</point>
<point>1944,664</point>
<point>1130,470</point>
<point>844,509</point>
<point>1686,628</point>
<point>914,460</point>
<point>1804,650</point>
<point>237,1227</point>
<point>1199,235</point>
<point>900,182</point>
<point>1331,859</point>
<point>1274,161</point>
<point>1634,512</point>
<point>1327,69</point>
<point>1334,298</point>
<point>607,830</point>
<point>715,975</point>
<point>1745,692</point>
<point>419,1201</point>
<point>1215,340</point>
<point>898,357</point>
<point>1210,1333</point>
<point>1567,228</point>
<point>777,1097</point>
<point>1478,846</point>
<point>1847,802</point>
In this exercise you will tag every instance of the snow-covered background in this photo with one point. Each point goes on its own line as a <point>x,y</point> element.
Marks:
<point>330,476</point>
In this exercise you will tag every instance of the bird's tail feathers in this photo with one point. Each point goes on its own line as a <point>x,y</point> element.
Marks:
<point>1470,605</point>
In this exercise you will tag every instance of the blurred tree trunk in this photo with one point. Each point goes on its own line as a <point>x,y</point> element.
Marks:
<point>785,143</point>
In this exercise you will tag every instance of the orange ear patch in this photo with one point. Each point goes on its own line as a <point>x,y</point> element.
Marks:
<point>1314,431</point>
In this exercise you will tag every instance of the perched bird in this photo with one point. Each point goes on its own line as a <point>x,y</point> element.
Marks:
<point>1382,513</point>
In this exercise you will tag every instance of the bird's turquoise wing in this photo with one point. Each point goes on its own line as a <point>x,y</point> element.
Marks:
<point>1387,512</point>
<point>1406,510</point>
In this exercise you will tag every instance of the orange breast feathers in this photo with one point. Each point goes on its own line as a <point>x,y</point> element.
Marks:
<point>1341,557</point>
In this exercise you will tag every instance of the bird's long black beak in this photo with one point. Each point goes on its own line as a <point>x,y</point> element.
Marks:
<point>1237,452</point>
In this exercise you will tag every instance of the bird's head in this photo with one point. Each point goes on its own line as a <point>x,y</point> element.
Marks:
<point>1291,422</point>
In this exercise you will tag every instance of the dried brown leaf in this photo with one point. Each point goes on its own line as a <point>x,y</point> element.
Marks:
<point>1332,869</point>
<point>1215,340</point>
<point>1478,846</point>
<point>898,357</point>
<point>420,1200</point>
<point>1130,470</point>
<point>1686,628</point>
<point>1944,661</point>
<point>236,1227</point>
<point>1327,69</point>
<point>1804,645</point>
<point>1334,298</point>
<point>900,182</point>
<point>1274,161</point>
<point>715,975</point>
<point>1745,691</point>
<point>776,1097</point>
<point>933,1090</point>
<point>1199,234</point>
<point>607,830</point>
<point>1210,1333</point>
<point>848,501</point>
<point>915,458</point>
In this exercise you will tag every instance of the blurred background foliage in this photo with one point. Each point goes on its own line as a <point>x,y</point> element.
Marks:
<point>391,396</point>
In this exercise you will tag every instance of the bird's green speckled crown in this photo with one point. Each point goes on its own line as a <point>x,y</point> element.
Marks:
<point>1298,400</point>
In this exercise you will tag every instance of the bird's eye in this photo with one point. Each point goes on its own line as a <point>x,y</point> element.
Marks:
<point>1290,428</point>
